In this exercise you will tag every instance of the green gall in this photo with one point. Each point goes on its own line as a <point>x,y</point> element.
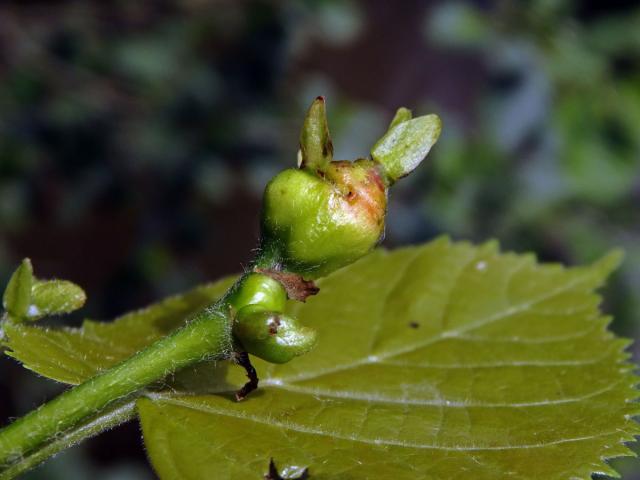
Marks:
<point>274,337</point>
<point>327,214</point>
<point>314,224</point>
<point>54,297</point>
<point>406,143</point>
<point>259,290</point>
<point>17,295</point>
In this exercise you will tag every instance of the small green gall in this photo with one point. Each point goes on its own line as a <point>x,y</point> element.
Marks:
<point>327,214</point>
<point>314,225</point>
<point>17,295</point>
<point>259,290</point>
<point>54,297</point>
<point>274,337</point>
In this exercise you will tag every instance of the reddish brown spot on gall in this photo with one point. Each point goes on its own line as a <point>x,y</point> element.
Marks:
<point>375,177</point>
<point>273,325</point>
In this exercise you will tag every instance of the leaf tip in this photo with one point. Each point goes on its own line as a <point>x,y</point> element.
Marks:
<point>17,294</point>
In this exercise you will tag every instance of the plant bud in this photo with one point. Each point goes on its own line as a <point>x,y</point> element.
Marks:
<point>27,298</point>
<point>327,214</point>
<point>17,295</point>
<point>274,337</point>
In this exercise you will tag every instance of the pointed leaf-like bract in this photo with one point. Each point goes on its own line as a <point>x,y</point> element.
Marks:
<point>17,295</point>
<point>403,114</point>
<point>54,297</point>
<point>316,148</point>
<point>406,143</point>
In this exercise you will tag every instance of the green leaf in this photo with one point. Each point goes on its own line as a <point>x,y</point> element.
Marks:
<point>54,297</point>
<point>406,143</point>
<point>442,361</point>
<point>73,355</point>
<point>17,295</point>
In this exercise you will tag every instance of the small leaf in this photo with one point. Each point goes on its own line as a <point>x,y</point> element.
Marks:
<point>17,295</point>
<point>54,297</point>
<point>315,141</point>
<point>440,361</point>
<point>406,143</point>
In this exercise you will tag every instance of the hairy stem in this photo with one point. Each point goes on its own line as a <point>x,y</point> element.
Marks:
<point>208,335</point>
<point>112,417</point>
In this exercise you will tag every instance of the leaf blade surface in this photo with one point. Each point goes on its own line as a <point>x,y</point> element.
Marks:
<point>440,361</point>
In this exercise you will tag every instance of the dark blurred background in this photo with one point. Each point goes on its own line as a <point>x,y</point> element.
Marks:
<point>136,137</point>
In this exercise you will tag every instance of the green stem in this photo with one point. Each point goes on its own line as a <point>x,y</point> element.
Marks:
<point>267,257</point>
<point>208,335</point>
<point>110,418</point>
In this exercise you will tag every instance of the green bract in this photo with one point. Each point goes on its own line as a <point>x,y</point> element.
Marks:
<point>327,214</point>
<point>406,143</point>
<point>17,295</point>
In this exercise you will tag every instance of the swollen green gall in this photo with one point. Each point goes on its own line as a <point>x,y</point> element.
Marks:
<point>326,214</point>
<point>258,290</point>
<point>272,336</point>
